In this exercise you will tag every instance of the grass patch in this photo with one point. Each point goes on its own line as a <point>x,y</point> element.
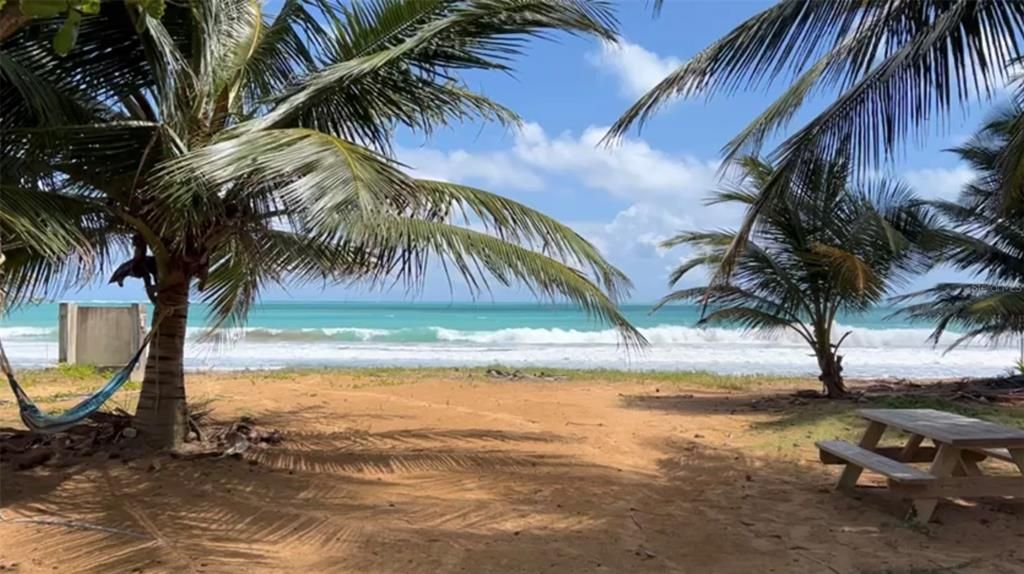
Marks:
<point>390,376</point>
<point>683,379</point>
<point>60,396</point>
<point>799,426</point>
<point>381,382</point>
<point>77,372</point>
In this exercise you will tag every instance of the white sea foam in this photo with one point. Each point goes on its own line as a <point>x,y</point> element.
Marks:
<point>921,362</point>
<point>901,352</point>
<point>659,335</point>
<point>27,332</point>
<point>673,335</point>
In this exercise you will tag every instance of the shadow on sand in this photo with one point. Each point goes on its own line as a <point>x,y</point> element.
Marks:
<point>482,500</point>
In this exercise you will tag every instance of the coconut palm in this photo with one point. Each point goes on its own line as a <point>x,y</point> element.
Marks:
<point>987,239</point>
<point>827,249</point>
<point>890,69</point>
<point>226,149</point>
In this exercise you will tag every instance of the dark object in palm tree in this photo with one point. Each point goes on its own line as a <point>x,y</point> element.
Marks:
<point>987,239</point>
<point>235,149</point>
<point>813,254</point>
<point>889,70</point>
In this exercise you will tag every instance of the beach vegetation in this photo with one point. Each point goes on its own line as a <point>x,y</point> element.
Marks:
<point>834,247</point>
<point>225,147</point>
<point>889,71</point>
<point>986,239</point>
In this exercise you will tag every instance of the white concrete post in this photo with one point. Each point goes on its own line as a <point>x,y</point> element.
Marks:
<point>68,333</point>
<point>139,312</point>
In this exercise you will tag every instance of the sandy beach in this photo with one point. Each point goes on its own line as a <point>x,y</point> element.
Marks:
<point>397,471</point>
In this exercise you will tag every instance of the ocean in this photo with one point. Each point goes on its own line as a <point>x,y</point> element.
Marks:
<point>349,334</point>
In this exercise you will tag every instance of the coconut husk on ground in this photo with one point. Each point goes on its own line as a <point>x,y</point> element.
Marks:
<point>110,435</point>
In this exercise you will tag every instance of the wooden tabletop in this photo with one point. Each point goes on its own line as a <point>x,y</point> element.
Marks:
<point>949,428</point>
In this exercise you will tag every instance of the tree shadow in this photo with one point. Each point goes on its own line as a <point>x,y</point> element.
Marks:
<point>485,500</point>
<point>786,413</point>
<point>313,491</point>
<point>687,403</point>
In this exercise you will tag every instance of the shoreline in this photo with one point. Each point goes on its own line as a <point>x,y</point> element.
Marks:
<point>500,372</point>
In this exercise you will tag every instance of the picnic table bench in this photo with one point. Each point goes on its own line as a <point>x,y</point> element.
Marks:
<point>960,443</point>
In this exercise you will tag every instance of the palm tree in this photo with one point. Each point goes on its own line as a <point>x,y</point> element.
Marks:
<point>226,149</point>
<point>827,249</point>
<point>889,68</point>
<point>987,238</point>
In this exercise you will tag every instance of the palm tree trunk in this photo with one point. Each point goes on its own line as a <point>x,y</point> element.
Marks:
<point>12,19</point>
<point>831,373</point>
<point>161,416</point>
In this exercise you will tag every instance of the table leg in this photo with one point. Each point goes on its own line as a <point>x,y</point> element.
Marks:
<point>946,461</point>
<point>1018,457</point>
<point>869,441</point>
<point>911,447</point>
<point>968,467</point>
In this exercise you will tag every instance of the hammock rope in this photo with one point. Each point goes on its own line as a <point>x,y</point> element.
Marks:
<point>38,421</point>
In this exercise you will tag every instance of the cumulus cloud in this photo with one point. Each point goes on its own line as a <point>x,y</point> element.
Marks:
<point>939,183</point>
<point>499,170</point>
<point>663,192</point>
<point>635,232</point>
<point>636,68</point>
<point>630,170</point>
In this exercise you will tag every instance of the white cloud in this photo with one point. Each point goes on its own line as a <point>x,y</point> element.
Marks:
<point>940,183</point>
<point>636,68</point>
<point>494,170</point>
<point>631,169</point>
<point>664,192</point>
<point>635,232</point>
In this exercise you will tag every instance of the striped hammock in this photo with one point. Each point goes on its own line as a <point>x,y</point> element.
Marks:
<point>38,421</point>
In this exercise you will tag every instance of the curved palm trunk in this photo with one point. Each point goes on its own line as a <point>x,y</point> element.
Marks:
<point>161,416</point>
<point>829,362</point>
<point>831,372</point>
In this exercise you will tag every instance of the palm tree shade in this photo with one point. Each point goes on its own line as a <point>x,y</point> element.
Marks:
<point>227,148</point>
<point>830,248</point>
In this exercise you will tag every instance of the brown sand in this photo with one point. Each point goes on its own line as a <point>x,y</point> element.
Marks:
<point>464,475</point>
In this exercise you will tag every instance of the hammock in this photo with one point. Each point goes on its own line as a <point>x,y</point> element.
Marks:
<point>38,421</point>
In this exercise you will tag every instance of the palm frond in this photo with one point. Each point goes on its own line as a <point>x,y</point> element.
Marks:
<point>402,248</point>
<point>907,60</point>
<point>895,66</point>
<point>241,149</point>
<point>515,222</point>
<point>832,246</point>
<point>51,242</point>
<point>393,61</point>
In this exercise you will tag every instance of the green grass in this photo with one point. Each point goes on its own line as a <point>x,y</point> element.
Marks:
<point>387,376</point>
<point>77,372</point>
<point>682,379</point>
<point>382,382</point>
<point>799,426</point>
<point>390,376</point>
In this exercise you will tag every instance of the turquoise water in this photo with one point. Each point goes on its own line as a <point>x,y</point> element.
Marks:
<point>418,322</point>
<point>282,334</point>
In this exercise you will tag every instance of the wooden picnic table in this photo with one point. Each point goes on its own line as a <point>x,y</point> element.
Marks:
<point>959,444</point>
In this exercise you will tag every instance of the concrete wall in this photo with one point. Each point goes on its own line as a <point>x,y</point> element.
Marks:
<point>106,337</point>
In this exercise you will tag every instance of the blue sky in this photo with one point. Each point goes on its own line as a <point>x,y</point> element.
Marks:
<point>624,199</point>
